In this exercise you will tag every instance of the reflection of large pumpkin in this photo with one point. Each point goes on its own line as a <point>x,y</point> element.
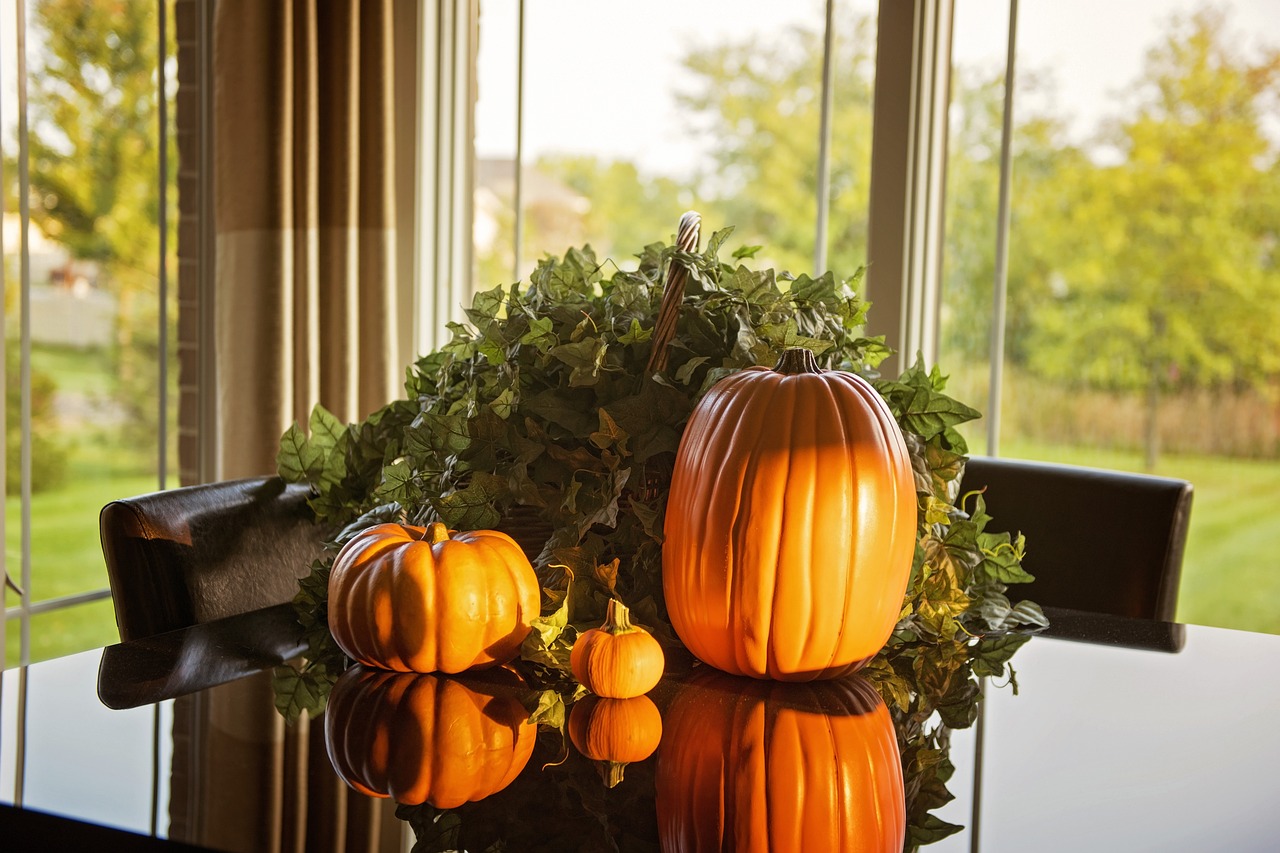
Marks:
<point>427,738</point>
<point>429,600</point>
<point>790,524</point>
<point>753,765</point>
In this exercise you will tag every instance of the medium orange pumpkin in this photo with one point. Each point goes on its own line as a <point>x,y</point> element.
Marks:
<point>416,599</point>
<point>615,732</point>
<point>435,739</point>
<point>756,765</point>
<point>790,524</point>
<point>618,660</point>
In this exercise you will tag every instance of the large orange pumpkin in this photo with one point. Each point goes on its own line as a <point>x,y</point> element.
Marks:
<point>791,523</point>
<point>437,739</point>
<point>754,765</point>
<point>419,599</point>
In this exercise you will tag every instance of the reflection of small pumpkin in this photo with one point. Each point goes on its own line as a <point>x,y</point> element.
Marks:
<point>615,732</point>
<point>428,600</point>
<point>427,738</point>
<point>618,660</point>
<point>755,765</point>
<point>791,523</point>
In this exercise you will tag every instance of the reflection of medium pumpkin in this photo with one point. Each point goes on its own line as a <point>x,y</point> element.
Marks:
<point>755,765</point>
<point>615,732</point>
<point>429,600</point>
<point>618,660</point>
<point>427,738</point>
<point>791,523</point>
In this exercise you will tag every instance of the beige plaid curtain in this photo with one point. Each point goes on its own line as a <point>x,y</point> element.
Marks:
<point>305,312</point>
<point>304,218</point>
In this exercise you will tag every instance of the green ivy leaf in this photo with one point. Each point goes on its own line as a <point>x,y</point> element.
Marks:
<point>299,692</point>
<point>1002,558</point>
<point>297,460</point>
<point>585,359</point>
<point>541,334</point>
<point>472,508</point>
<point>609,434</point>
<point>326,429</point>
<point>397,483</point>
<point>635,334</point>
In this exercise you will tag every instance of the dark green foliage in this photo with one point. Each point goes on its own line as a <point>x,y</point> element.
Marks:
<point>48,448</point>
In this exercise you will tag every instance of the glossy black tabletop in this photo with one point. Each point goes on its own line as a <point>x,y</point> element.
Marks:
<point>1122,735</point>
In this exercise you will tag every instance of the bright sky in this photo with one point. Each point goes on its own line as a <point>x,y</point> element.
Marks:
<point>600,76</point>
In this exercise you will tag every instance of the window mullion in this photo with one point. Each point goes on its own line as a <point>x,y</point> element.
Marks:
<point>908,175</point>
<point>518,202</point>
<point>163,217</point>
<point>1000,293</point>
<point>24,274</point>
<point>824,145</point>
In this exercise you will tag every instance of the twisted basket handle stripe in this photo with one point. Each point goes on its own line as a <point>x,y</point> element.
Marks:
<point>673,293</point>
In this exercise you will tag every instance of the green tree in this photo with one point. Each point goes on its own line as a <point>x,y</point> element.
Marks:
<point>1042,162</point>
<point>576,199</point>
<point>48,450</point>
<point>759,101</point>
<point>1167,271</point>
<point>627,208</point>
<point>94,155</point>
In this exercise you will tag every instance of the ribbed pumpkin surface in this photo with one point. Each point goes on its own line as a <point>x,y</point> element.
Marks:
<point>400,600</point>
<point>790,525</point>
<point>758,766</point>
<point>426,738</point>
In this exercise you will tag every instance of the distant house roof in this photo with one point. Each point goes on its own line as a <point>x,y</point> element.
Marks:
<point>498,176</point>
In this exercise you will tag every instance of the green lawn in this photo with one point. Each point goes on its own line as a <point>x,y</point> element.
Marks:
<point>66,555</point>
<point>78,371</point>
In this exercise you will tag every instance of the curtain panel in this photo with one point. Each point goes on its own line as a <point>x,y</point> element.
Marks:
<point>305,312</point>
<point>304,219</point>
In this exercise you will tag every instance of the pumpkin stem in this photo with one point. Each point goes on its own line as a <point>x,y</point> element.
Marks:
<point>796,360</point>
<point>617,620</point>
<point>611,772</point>
<point>436,533</point>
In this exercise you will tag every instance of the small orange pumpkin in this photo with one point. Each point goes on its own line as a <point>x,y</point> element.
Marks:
<point>618,660</point>
<point>791,523</point>
<point>615,732</point>
<point>434,739</point>
<point>760,765</point>
<point>416,599</point>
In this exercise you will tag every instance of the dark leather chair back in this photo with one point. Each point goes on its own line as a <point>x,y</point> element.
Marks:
<point>192,555</point>
<point>1097,540</point>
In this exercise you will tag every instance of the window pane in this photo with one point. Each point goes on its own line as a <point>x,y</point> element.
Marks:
<point>94,296</point>
<point>710,106</point>
<point>65,630</point>
<point>1143,323</point>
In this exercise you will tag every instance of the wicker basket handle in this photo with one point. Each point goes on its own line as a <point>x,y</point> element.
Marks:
<point>673,293</point>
